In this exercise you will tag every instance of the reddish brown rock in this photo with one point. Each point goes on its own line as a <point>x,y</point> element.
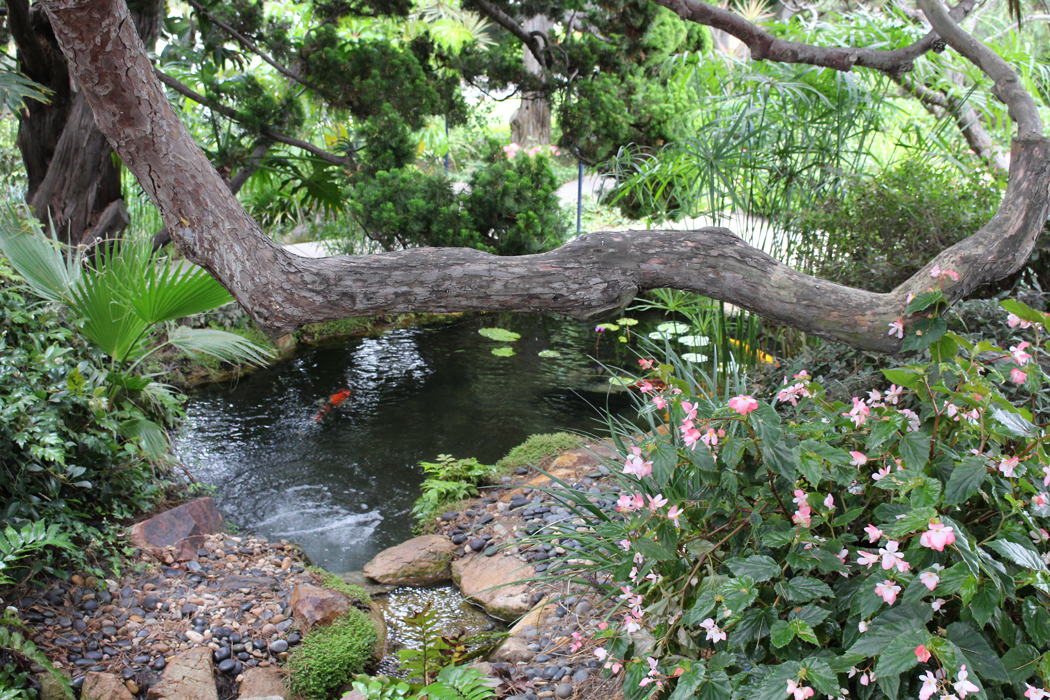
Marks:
<point>496,583</point>
<point>418,562</point>
<point>182,528</point>
<point>188,676</point>
<point>317,606</point>
<point>104,686</point>
<point>262,682</point>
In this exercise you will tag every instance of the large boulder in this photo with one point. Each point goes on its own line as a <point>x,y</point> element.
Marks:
<point>418,562</point>
<point>262,682</point>
<point>313,605</point>
<point>104,686</point>
<point>183,528</point>
<point>189,676</point>
<point>496,583</point>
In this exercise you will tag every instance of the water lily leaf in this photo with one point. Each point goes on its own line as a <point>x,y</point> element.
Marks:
<point>694,341</point>
<point>694,357</point>
<point>622,381</point>
<point>672,327</point>
<point>503,351</point>
<point>660,335</point>
<point>549,353</point>
<point>501,335</point>
<point>606,327</point>
<point>627,322</point>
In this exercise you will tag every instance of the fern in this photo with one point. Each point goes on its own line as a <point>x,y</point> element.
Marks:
<point>15,544</point>
<point>454,683</point>
<point>11,639</point>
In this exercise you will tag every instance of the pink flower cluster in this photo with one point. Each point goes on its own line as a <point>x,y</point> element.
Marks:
<point>938,273</point>
<point>512,149</point>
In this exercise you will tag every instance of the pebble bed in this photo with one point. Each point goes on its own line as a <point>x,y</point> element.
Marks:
<point>234,599</point>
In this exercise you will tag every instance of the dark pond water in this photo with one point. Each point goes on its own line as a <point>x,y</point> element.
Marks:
<point>343,487</point>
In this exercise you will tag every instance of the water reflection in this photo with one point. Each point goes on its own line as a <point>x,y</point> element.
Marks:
<point>343,487</point>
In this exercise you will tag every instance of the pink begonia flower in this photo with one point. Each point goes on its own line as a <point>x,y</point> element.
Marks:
<point>603,625</point>
<point>630,623</point>
<point>938,604</point>
<point>929,685</point>
<point>862,626</point>
<point>843,555</point>
<point>897,328</point>
<point>914,422</point>
<point>1046,477</point>
<point>937,537</point>
<point>881,474</point>
<point>938,272</point>
<point>922,654</point>
<point>864,679</point>
<point>801,375</point>
<point>891,558</point>
<point>829,502</point>
<point>1015,321</point>
<point>1017,376</point>
<point>803,516</point>
<point>656,502</point>
<point>634,573</point>
<point>714,633</point>
<point>800,692</point>
<point>577,642</point>
<point>859,458</point>
<point>659,402</point>
<point>1034,693</point>
<point>893,394</point>
<point>793,393</point>
<point>743,404</point>
<point>645,387</point>
<point>874,533</point>
<point>859,413</point>
<point>1020,356</point>
<point>625,545</point>
<point>800,498</point>
<point>963,686</point>
<point>867,558</point>
<point>930,579</point>
<point>674,513</point>
<point>646,364</point>
<point>601,653</point>
<point>625,503</point>
<point>1008,465</point>
<point>855,488</point>
<point>710,438</point>
<point>690,412</point>
<point>887,590</point>
<point>1040,500</point>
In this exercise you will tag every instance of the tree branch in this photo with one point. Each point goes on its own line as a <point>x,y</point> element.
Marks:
<point>250,45</point>
<point>1007,88</point>
<point>35,59</point>
<point>507,22</point>
<point>766,47</point>
<point>230,113</point>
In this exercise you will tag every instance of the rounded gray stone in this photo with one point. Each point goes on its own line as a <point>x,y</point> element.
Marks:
<point>564,690</point>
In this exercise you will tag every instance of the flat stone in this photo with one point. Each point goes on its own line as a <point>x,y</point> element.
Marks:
<point>188,675</point>
<point>313,605</point>
<point>496,583</point>
<point>183,528</point>
<point>262,682</point>
<point>419,561</point>
<point>104,686</point>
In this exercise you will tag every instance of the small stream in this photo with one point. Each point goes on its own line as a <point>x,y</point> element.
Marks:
<point>343,487</point>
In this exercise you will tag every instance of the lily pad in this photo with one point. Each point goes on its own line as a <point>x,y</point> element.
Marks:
<point>505,351</point>
<point>501,335</point>
<point>606,327</point>
<point>549,353</point>
<point>673,327</point>
<point>622,381</point>
<point>627,322</point>
<point>695,341</point>
<point>694,357</point>
<point>660,335</point>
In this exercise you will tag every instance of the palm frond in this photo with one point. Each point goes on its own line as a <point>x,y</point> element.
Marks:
<point>37,258</point>
<point>227,347</point>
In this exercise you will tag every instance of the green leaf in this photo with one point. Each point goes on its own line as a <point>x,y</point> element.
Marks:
<point>1018,554</point>
<point>1023,311</point>
<point>503,351</point>
<point>752,626</point>
<point>500,335</point>
<point>759,567</point>
<point>781,634</point>
<point>804,632</point>
<point>665,459</point>
<point>689,681</point>
<point>899,655</point>
<point>803,589</point>
<point>738,594</point>
<point>924,300</point>
<point>652,550</point>
<point>548,353</point>
<point>1021,662</point>
<point>37,258</point>
<point>882,431</point>
<point>924,332</point>
<point>766,422</point>
<point>151,437</point>
<point>914,449</point>
<point>890,625</point>
<point>782,459</point>
<point>966,480</point>
<point>983,604</point>
<point>1013,423</point>
<point>228,347</point>
<point>907,378</point>
<point>812,615</point>
<point>1036,621</point>
<point>913,520</point>
<point>979,656</point>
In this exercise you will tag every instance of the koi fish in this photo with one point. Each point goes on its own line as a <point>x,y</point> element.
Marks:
<point>333,401</point>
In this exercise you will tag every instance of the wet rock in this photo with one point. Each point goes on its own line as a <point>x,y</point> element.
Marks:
<point>189,675</point>
<point>183,528</point>
<point>313,605</point>
<point>418,562</point>
<point>104,686</point>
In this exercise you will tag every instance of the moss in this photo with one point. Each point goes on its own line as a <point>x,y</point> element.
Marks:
<point>330,656</point>
<point>334,583</point>
<point>535,451</point>
<point>315,333</point>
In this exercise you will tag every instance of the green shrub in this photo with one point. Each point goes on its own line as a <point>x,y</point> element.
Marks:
<point>536,450</point>
<point>448,481</point>
<point>330,656</point>
<point>894,545</point>
<point>882,229</point>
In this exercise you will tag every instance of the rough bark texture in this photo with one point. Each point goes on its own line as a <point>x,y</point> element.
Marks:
<point>592,276</point>
<point>73,181</point>
<point>530,125</point>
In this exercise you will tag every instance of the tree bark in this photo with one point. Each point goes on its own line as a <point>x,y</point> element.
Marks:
<point>590,277</point>
<point>73,181</point>
<point>530,125</point>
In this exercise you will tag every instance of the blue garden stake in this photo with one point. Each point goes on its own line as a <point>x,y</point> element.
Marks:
<point>446,145</point>
<point>579,198</point>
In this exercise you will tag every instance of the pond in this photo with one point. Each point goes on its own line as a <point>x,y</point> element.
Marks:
<point>343,486</point>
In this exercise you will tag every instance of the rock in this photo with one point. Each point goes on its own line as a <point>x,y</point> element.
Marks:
<point>183,528</point>
<point>279,646</point>
<point>512,650</point>
<point>188,675</point>
<point>313,605</point>
<point>379,648</point>
<point>51,688</point>
<point>564,690</point>
<point>104,686</point>
<point>492,582</point>
<point>262,682</point>
<point>418,562</point>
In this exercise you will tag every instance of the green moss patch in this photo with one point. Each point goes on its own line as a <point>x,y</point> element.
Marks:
<point>536,451</point>
<point>330,656</point>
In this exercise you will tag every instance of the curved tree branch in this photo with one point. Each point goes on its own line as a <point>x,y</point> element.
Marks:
<point>230,113</point>
<point>766,47</point>
<point>507,22</point>
<point>589,277</point>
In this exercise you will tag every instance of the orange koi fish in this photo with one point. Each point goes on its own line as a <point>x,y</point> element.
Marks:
<point>333,401</point>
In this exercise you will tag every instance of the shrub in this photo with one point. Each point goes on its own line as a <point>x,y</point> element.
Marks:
<point>882,229</point>
<point>894,545</point>
<point>330,656</point>
<point>449,481</point>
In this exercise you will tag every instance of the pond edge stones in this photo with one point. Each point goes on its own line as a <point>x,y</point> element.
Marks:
<point>420,561</point>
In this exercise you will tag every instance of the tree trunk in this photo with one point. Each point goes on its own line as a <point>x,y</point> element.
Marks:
<point>530,125</point>
<point>74,181</point>
<point>592,276</point>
